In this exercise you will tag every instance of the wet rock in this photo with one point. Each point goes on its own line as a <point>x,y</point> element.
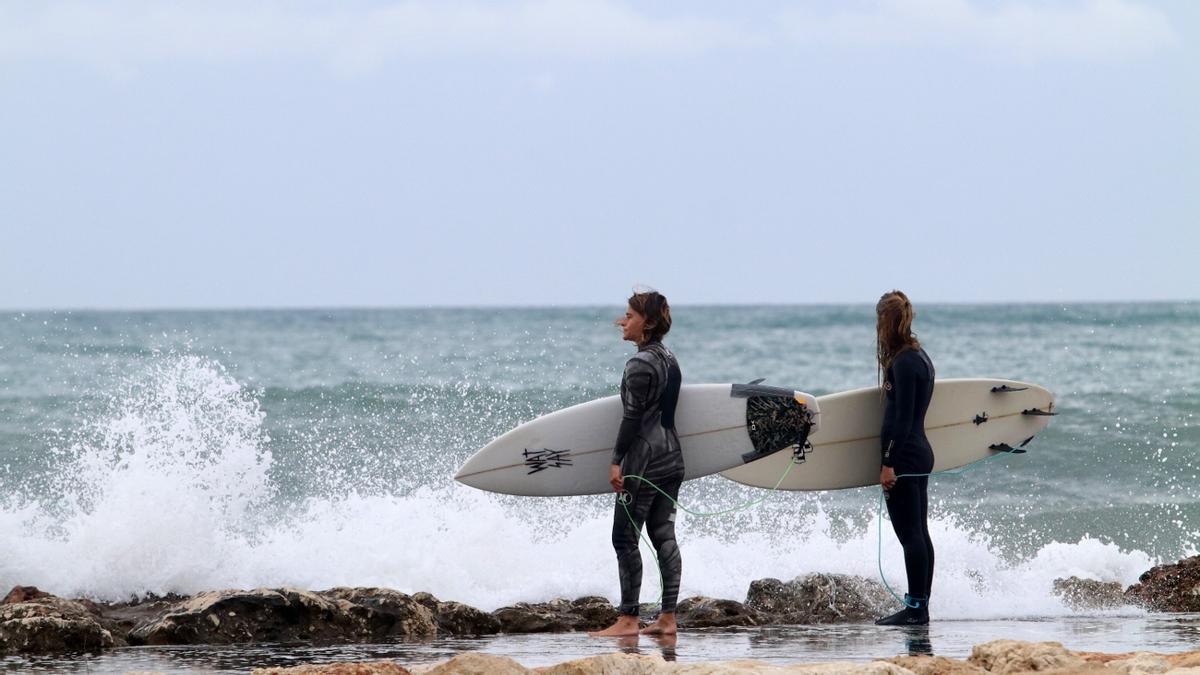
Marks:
<point>100,613</point>
<point>381,668</point>
<point>594,612</point>
<point>703,612</point>
<point>23,594</point>
<point>819,598</point>
<point>1014,656</point>
<point>456,618</point>
<point>560,615</point>
<point>474,663</point>
<point>1085,594</point>
<point>1169,588</point>
<point>48,624</point>
<point>523,617</point>
<point>384,612</point>
<point>122,617</point>
<point>426,600</point>
<point>286,615</point>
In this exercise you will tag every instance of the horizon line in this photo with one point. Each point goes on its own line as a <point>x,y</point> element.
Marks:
<point>518,306</point>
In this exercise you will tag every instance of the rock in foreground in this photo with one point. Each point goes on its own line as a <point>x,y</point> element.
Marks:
<point>1001,657</point>
<point>1013,656</point>
<point>381,668</point>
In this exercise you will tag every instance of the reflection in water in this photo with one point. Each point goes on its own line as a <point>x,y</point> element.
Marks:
<point>916,639</point>
<point>666,643</point>
<point>774,644</point>
<point>1187,627</point>
<point>629,644</point>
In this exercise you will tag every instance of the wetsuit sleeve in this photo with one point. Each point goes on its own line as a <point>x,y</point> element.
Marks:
<point>904,391</point>
<point>636,386</point>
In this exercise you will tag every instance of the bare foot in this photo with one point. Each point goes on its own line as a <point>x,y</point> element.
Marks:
<point>626,625</point>
<point>665,625</point>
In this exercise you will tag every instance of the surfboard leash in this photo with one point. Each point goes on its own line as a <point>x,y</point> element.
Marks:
<point>1001,450</point>
<point>623,499</point>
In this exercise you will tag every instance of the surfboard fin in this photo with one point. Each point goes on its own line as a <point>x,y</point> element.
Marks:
<point>1025,442</point>
<point>1005,389</point>
<point>980,418</point>
<point>1005,447</point>
<point>1035,412</point>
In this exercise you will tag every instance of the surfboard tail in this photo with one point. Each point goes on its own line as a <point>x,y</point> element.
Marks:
<point>777,420</point>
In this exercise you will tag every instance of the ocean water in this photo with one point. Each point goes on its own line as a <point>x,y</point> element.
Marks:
<point>777,644</point>
<point>172,451</point>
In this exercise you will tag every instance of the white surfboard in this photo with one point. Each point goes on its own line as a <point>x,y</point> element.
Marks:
<point>568,452</point>
<point>967,420</point>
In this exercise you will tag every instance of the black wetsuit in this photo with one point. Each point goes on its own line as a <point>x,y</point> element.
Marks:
<point>909,387</point>
<point>648,446</point>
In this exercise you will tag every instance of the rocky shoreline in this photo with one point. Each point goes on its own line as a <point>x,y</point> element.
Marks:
<point>34,622</point>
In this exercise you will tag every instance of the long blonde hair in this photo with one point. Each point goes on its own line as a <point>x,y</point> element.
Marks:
<point>893,329</point>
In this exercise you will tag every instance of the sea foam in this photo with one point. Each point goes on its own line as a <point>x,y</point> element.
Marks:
<point>172,491</point>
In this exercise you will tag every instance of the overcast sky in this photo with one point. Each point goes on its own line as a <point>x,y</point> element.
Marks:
<point>434,152</point>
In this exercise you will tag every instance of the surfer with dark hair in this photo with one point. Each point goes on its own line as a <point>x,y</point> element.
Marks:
<point>647,448</point>
<point>906,376</point>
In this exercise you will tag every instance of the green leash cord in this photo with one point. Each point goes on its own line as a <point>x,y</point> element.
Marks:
<point>623,500</point>
<point>883,495</point>
<point>771,493</point>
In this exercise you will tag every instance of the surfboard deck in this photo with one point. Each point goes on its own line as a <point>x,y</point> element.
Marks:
<point>569,451</point>
<point>968,419</point>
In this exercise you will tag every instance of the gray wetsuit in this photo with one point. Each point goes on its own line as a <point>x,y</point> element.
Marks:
<point>648,446</point>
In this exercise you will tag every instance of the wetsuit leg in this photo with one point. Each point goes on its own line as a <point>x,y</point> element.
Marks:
<point>636,506</point>
<point>660,524</point>
<point>629,559</point>
<point>649,507</point>
<point>908,505</point>
<point>925,530</point>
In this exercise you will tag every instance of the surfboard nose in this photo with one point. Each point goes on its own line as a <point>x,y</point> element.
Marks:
<point>469,473</point>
